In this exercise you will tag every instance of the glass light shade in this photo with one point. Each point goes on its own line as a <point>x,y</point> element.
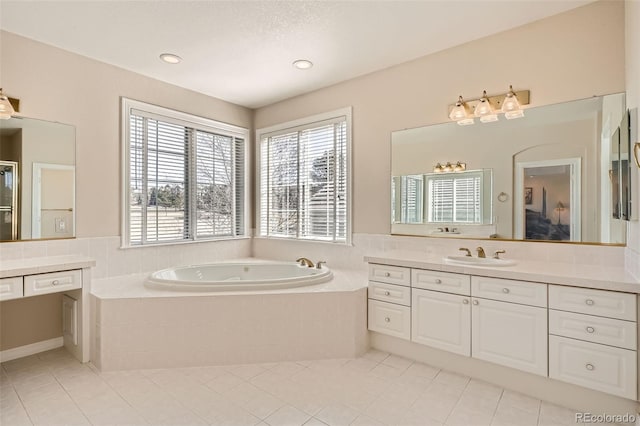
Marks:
<point>484,107</point>
<point>466,122</point>
<point>510,115</point>
<point>489,118</point>
<point>459,111</point>
<point>510,103</point>
<point>6,109</point>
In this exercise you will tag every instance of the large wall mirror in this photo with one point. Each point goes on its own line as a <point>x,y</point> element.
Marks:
<point>37,179</point>
<point>560,173</point>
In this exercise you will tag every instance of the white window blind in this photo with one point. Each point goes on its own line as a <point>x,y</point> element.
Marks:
<point>455,198</point>
<point>185,182</point>
<point>303,182</point>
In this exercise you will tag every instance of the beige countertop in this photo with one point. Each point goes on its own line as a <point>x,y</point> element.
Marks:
<point>577,275</point>
<point>41,265</point>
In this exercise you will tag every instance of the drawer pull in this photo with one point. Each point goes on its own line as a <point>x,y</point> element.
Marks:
<point>438,281</point>
<point>465,301</point>
<point>589,302</point>
<point>475,302</point>
<point>387,319</point>
<point>387,274</point>
<point>505,290</point>
<point>590,367</point>
<point>590,329</point>
<point>387,293</point>
<point>55,282</point>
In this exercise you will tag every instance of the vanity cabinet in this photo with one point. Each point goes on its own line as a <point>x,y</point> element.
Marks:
<point>389,301</point>
<point>11,288</point>
<point>441,320</point>
<point>593,339</point>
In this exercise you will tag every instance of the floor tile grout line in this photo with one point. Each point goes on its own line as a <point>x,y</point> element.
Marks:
<point>71,397</point>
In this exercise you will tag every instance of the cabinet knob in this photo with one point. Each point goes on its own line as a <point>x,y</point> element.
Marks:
<point>475,302</point>
<point>387,274</point>
<point>589,302</point>
<point>387,293</point>
<point>505,290</point>
<point>55,282</point>
<point>590,329</point>
<point>387,319</point>
<point>465,301</point>
<point>590,367</point>
<point>438,281</point>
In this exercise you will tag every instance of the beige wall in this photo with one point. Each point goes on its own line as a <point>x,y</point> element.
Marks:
<point>56,85</point>
<point>569,56</point>
<point>30,320</point>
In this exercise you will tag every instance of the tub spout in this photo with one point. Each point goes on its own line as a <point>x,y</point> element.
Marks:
<point>319,264</point>
<point>303,261</point>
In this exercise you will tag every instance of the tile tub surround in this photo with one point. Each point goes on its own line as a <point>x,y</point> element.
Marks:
<point>134,327</point>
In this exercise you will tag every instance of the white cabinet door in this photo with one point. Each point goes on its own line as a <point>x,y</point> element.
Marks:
<point>510,334</point>
<point>441,320</point>
<point>389,318</point>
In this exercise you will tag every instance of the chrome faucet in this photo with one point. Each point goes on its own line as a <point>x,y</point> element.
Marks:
<point>319,264</point>
<point>497,254</point>
<point>481,253</point>
<point>467,250</point>
<point>303,261</point>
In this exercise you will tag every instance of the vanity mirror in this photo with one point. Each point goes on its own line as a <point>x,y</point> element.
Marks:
<point>559,173</point>
<point>37,179</point>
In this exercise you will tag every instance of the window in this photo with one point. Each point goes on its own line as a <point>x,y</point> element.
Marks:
<point>184,176</point>
<point>304,179</point>
<point>455,197</point>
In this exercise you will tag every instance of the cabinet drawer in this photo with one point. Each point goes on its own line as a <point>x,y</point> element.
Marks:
<point>390,293</point>
<point>52,283</point>
<point>11,288</point>
<point>599,367</point>
<point>441,281</point>
<point>391,319</point>
<point>525,293</point>
<point>593,329</point>
<point>390,274</point>
<point>593,302</point>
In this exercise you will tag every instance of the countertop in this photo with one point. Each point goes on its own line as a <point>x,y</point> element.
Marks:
<point>41,265</point>
<point>576,275</point>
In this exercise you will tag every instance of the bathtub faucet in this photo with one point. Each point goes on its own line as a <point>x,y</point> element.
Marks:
<point>303,261</point>
<point>319,264</point>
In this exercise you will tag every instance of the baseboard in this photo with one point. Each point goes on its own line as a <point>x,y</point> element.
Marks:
<point>33,348</point>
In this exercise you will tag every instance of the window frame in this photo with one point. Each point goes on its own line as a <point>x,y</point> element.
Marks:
<point>197,123</point>
<point>292,126</point>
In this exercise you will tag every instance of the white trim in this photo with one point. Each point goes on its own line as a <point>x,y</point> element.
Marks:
<point>575,176</point>
<point>33,348</point>
<point>326,116</point>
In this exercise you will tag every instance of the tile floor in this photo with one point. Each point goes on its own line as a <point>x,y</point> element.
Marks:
<point>376,389</point>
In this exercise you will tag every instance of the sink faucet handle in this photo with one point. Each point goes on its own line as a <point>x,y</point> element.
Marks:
<point>497,254</point>
<point>467,250</point>
<point>481,253</point>
<point>319,264</point>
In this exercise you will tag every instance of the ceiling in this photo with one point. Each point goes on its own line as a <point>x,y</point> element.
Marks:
<point>242,51</point>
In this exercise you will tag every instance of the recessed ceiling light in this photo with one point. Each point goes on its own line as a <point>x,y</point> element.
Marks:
<point>302,64</point>
<point>170,58</point>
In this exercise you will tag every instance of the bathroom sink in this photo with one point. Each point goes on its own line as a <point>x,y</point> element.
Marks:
<point>479,261</point>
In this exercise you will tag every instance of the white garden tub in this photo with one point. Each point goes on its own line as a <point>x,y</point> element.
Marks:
<point>237,277</point>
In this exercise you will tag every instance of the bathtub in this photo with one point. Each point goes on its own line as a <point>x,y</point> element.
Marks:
<point>237,277</point>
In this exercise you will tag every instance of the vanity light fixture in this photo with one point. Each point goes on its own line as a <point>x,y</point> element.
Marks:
<point>302,64</point>
<point>460,113</point>
<point>6,107</point>
<point>487,107</point>
<point>448,167</point>
<point>170,58</point>
<point>485,110</point>
<point>511,106</point>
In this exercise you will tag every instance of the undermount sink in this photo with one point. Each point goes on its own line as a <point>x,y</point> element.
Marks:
<point>479,261</point>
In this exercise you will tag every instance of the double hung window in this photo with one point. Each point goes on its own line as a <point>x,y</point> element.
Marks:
<point>184,176</point>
